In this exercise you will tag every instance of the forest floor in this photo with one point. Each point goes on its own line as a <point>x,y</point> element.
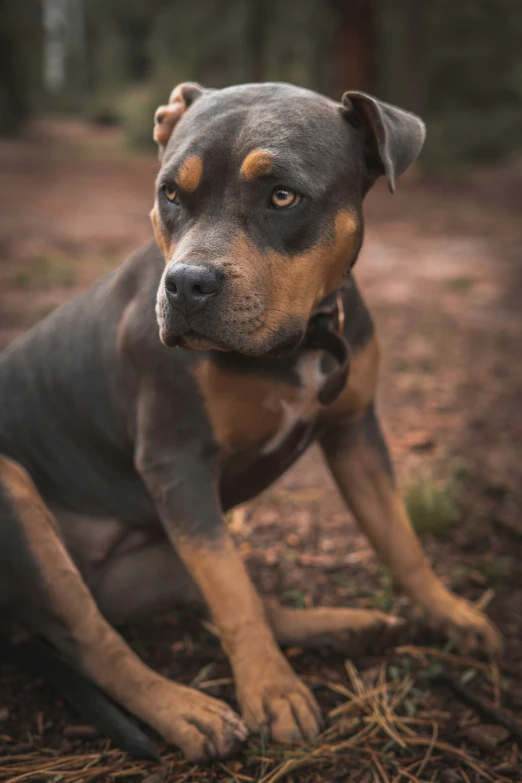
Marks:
<point>442,272</point>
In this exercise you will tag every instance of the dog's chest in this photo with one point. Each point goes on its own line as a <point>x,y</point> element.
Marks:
<point>259,414</point>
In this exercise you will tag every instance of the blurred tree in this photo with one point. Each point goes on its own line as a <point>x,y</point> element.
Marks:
<point>355,65</point>
<point>413,62</point>
<point>473,82</point>
<point>64,49</point>
<point>457,64</point>
<point>255,39</point>
<point>20,61</point>
<point>299,44</point>
<point>460,66</point>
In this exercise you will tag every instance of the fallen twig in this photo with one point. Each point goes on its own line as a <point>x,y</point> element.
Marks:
<point>458,660</point>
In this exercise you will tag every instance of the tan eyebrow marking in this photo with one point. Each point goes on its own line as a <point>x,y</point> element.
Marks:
<point>257,163</point>
<point>190,173</point>
<point>345,225</point>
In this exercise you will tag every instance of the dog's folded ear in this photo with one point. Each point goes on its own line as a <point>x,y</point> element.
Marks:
<point>167,116</point>
<point>393,138</point>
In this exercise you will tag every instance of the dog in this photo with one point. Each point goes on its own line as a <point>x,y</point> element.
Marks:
<point>185,382</point>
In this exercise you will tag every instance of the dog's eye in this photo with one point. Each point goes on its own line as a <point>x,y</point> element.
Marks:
<point>171,193</point>
<point>282,198</point>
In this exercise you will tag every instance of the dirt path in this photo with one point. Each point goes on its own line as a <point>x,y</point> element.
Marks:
<point>442,271</point>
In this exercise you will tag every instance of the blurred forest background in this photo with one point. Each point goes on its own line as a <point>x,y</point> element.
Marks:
<point>458,64</point>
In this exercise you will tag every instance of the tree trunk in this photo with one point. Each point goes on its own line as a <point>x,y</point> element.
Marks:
<point>413,59</point>
<point>256,27</point>
<point>355,45</point>
<point>20,61</point>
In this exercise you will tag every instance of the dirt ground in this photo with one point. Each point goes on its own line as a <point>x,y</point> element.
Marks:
<point>442,272</point>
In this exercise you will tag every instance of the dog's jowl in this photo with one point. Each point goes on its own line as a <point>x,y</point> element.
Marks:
<point>185,382</point>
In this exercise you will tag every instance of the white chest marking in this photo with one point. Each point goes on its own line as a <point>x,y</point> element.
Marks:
<point>304,407</point>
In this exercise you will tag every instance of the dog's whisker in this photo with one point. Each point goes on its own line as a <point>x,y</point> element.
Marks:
<point>274,310</point>
<point>267,326</point>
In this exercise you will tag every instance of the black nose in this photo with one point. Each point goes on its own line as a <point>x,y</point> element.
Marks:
<point>190,286</point>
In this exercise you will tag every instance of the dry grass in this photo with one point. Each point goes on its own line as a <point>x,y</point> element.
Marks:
<point>381,731</point>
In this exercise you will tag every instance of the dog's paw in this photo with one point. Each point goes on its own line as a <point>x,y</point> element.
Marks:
<point>456,616</point>
<point>205,729</point>
<point>275,702</point>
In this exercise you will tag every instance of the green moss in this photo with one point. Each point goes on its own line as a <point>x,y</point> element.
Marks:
<point>431,507</point>
<point>460,284</point>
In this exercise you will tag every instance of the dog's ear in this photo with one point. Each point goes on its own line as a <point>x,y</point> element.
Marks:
<point>393,137</point>
<point>167,116</point>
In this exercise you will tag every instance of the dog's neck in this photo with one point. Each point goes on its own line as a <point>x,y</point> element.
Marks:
<point>325,333</point>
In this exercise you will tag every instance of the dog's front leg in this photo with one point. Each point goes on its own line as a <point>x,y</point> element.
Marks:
<point>182,482</point>
<point>53,600</point>
<point>358,458</point>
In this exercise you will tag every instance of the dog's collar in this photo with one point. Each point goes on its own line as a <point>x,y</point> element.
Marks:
<point>325,333</point>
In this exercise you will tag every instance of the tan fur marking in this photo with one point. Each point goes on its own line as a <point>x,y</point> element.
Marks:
<point>236,406</point>
<point>257,163</point>
<point>345,225</point>
<point>190,173</point>
<point>164,244</point>
<point>222,578</point>
<point>346,234</point>
<point>263,676</point>
<point>294,285</point>
<point>167,116</point>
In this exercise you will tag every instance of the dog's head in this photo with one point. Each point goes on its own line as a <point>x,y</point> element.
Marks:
<point>258,206</point>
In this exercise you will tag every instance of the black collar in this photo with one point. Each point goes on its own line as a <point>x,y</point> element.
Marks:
<point>325,333</point>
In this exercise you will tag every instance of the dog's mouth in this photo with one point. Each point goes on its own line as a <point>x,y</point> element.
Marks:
<point>224,331</point>
<point>286,348</point>
<point>194,341</point>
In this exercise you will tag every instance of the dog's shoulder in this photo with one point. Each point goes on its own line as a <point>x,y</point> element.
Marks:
<point>60,414</point>
<point>97,310</point>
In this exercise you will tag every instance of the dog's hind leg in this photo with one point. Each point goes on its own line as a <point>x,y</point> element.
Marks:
<point>51,596</point>
<point>85,698</point>
<point>348,631</point>
<point>154,577</point>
